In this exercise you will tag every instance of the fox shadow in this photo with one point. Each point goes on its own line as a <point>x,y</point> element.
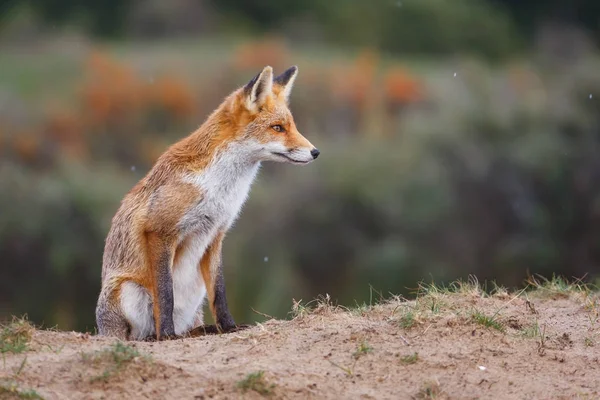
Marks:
<point>205,330</point>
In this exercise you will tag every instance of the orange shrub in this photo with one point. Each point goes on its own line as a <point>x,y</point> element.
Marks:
<point>312,76</point>
<point>96,103</point>
<point>63,126</point>
<point>354,82</point>
<point>110,90</point>
<point>254,55</point>
<point>114,92</point>
<point>26,146</point>
<point>522,79</point>
<point>401,87</point>
<point>173,95</point>
<point>66,129</point>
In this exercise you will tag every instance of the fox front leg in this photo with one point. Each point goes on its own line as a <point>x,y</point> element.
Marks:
<point>225,322</point>
<point>212,273</point>
<point>160,258</point>
<point>164,282</point>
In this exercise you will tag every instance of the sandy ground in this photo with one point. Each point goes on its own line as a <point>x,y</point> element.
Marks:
<point>447,346</point>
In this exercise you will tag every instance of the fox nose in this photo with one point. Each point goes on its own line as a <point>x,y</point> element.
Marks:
<point>315,153</point>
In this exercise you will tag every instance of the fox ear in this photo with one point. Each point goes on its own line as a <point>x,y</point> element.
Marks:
<point>258,89</point>
<point>286,81</point>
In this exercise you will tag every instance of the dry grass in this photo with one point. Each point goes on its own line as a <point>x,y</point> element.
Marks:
<point>11,390</point>
<point>363,349</point>
<point>410,359</point>
<point>257,382</point>
<point>15,336</point>
<point>558,286</point>
<point>113,360</point>
<point>430,390</point>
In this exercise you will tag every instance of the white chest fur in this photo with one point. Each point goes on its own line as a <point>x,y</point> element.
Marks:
<point>224,185</point>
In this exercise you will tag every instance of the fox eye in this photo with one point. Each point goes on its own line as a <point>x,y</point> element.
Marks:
<point>278,128</point>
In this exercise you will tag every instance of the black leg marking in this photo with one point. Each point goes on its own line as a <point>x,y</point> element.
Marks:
<point>165,295</point>
<point>224,319</point>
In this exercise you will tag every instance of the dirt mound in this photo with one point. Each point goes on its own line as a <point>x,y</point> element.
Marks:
<point>447,344</point>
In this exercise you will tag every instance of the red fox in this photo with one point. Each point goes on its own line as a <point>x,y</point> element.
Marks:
<point>162,255</point>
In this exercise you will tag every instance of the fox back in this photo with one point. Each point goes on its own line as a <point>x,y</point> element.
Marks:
<point>162,254</point>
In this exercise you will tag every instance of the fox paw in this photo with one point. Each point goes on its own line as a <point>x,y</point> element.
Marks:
<point>170,337</point>
<point>163,337</point>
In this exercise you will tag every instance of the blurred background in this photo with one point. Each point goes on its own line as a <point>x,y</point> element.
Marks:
<point>458,137</point>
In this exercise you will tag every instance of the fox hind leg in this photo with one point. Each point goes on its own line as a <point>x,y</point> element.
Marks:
<point>110,319</point>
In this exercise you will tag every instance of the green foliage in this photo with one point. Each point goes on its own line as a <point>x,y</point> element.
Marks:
<point>496,28</point>
<point>122,353</point>
<point>528,14</point>
<point>265,14</point>
<point>257,382</point>
<point>398,26</point>
<point>58,222</point>
<point>487,321</point>
<point>408,320</point>
<point>104,19</point>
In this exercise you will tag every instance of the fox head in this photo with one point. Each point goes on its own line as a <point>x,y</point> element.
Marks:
<point>267,121</point>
